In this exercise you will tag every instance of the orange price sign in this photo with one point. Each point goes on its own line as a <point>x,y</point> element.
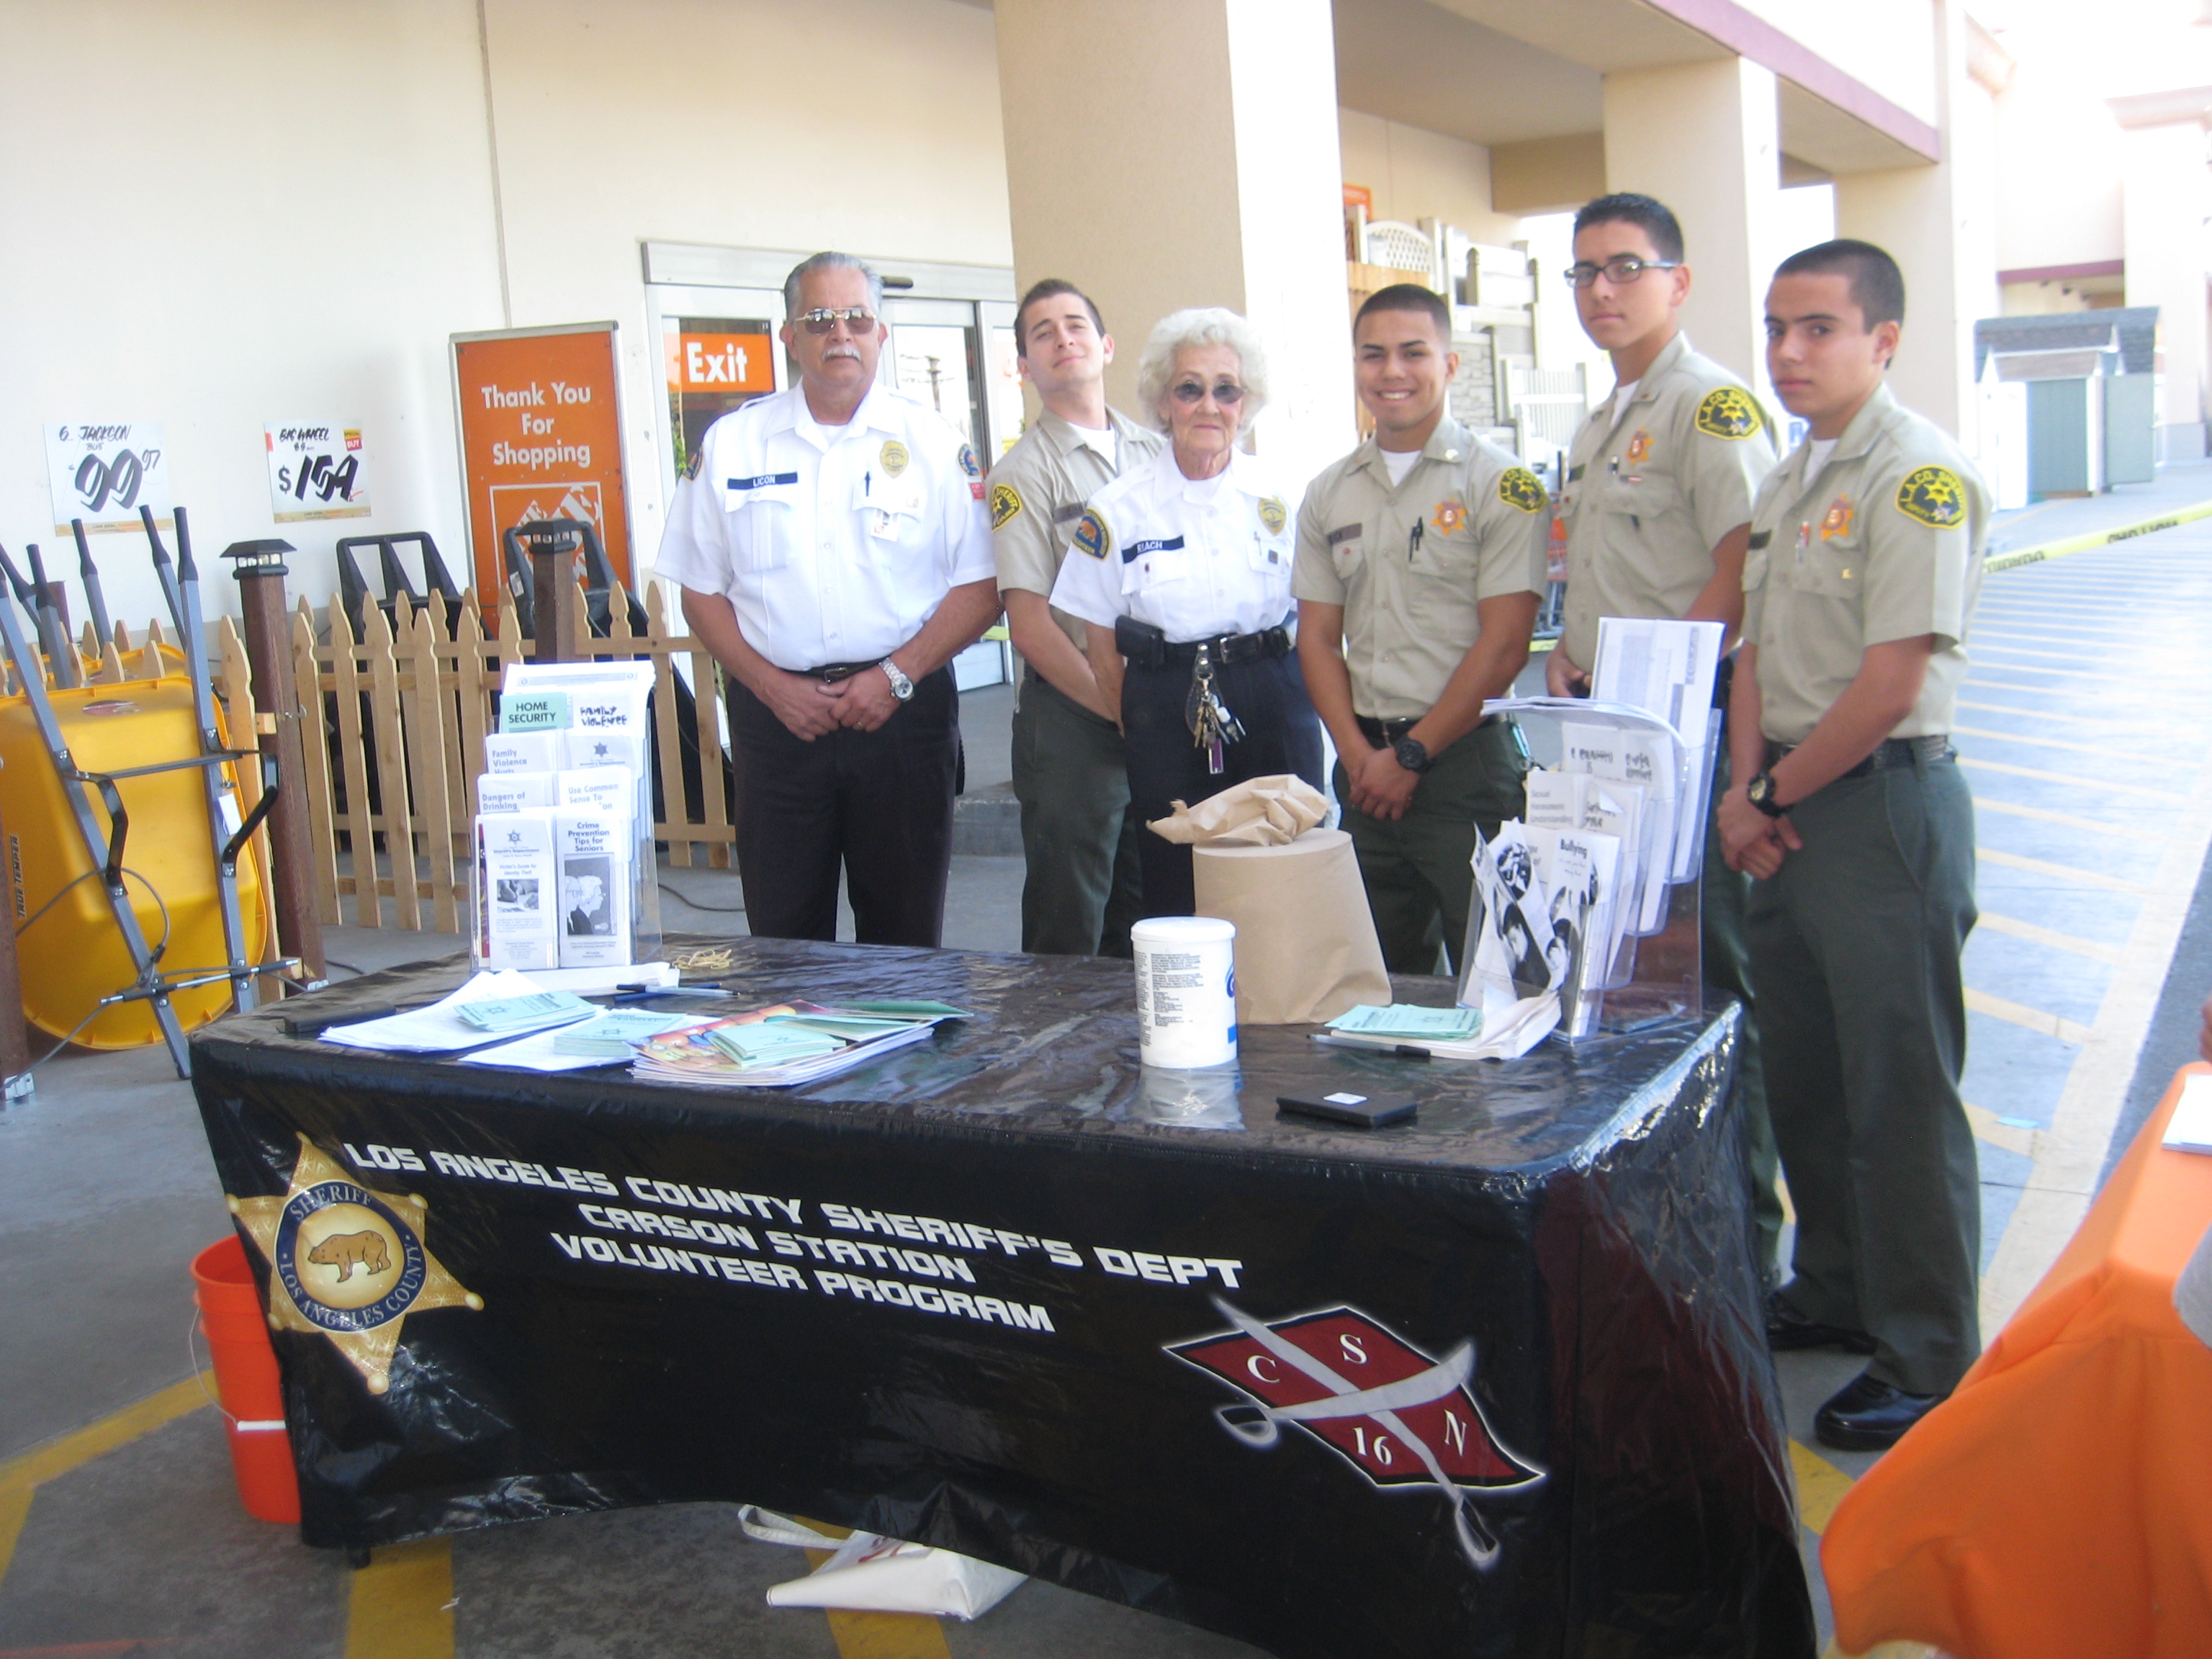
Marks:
<point>541,438</point>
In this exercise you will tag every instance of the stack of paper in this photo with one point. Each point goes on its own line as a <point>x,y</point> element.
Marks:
<point>1667,668</point>
<point>1406,1021</point>
<point>532,1012</point>
<point>612,1039</point>
<point>442,1027</point>
<point>1446,1033</point>
<point>790,1042</point>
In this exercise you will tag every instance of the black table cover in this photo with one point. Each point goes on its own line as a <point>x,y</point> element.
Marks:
<point>1493,1381</point>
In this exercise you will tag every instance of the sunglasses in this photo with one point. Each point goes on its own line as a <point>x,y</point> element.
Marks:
<point>822,320</point>
<point>1621,267</point>
<point>1227,393</point>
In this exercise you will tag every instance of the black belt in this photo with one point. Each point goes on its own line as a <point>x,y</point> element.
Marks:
<point>831,672</point>
<point>1385,733</point>
<point>1228,649</point>
<point>1890,753</point>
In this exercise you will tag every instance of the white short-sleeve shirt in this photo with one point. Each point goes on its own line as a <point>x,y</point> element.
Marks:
<point>833,544</point>
<point>1194,557</point>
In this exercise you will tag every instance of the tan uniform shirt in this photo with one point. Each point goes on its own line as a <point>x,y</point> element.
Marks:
<point>1039,489</point>
<point>1410,563</point>
<point>1885,543</point>
<point>1652,488</point>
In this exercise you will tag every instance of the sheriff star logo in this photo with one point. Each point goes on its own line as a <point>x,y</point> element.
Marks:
<point>1518,487</point>
<point>1837,521</point>
<point>1639,447</point>
<point>1005,505</point>
<point>347,1262</point>
<point>1398,1416</point>
<point>1728,412</point>
<point>1933,496</point>
<point>1449,516</point>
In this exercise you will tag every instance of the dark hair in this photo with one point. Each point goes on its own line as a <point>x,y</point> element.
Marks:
<point>1409,296</point>
<point>1877,286</point>
<point>1045,291</point>
<point>1654,218</point>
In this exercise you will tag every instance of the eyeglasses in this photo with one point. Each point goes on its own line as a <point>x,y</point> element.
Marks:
<point>1621,267</point>
<point>820,320</point>
<point>1227,393</point>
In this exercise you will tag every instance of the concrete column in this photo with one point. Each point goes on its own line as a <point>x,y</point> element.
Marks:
<point>1939,222</point>
<point>1169,153</point>
<point>1702,138</point>
<point>2165,200</point>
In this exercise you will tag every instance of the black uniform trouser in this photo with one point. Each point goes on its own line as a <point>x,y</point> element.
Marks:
<point>1855,948</point>
<point>880,804</point>
<point>1078,836</point>
<point>1728,968</point>
<point>1282,734</point>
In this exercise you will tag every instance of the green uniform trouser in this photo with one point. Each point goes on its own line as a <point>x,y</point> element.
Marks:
<point>1855,947</point>
<point>1419,870</point>
<point>1079,835</point>
<point>1728,968</point>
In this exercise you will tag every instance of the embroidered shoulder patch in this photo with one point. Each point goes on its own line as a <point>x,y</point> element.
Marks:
<point>967,462</point>
<point>1091,535</point>
<point>1933,495</point>
<point>1518,487</point>
<point>1728,412</point>
<point>1005,505</point>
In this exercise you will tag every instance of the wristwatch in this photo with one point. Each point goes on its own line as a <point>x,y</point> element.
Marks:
<point>901,687</point>
<point>1412,754</point>
<point>1760,792</point>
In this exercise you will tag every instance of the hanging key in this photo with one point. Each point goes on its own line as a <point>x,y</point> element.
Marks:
<point>1213,727</point>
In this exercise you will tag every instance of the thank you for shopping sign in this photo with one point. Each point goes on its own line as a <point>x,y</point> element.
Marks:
<point>103,471</point>
<point>317,470</point>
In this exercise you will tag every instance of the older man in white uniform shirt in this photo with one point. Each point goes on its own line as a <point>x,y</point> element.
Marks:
<point>835,555</point>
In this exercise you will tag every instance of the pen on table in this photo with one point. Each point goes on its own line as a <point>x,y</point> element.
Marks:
<point>1403,1050</point>
<point>623,994</point>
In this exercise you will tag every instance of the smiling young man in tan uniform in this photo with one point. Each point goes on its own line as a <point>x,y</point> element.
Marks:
<point>1078,836</point>
<point>1420,562</point>
<point>1657,508</point>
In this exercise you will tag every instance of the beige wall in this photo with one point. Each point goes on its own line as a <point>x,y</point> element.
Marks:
<point>1416,174</point>
<point>2033,299</point>
<point>1887,45</point>
<point>276,210</point>
<point>2168,195</point>
<point>1235,201</point>
<point>2058,181</point>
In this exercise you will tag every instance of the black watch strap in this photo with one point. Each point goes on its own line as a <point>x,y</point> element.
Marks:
<point>1412,754</point>
<point>1760,792</point>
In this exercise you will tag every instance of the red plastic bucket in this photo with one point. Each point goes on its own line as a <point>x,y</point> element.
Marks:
<point>246,1376</point>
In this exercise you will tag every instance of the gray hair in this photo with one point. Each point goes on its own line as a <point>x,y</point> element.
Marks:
<point>1201,325</point>
<point>832,262</point>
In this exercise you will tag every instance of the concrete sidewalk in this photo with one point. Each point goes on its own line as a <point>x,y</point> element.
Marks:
<point>2044,522</point>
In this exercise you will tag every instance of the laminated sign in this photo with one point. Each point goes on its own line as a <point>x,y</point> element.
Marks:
<point>541,439</point>
<point>103,471</point>
<point>317,470</point>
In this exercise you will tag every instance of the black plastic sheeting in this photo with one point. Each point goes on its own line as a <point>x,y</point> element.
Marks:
<point>1006,1292</point>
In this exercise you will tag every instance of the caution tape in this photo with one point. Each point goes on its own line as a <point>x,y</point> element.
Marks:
<point>2096,538</point>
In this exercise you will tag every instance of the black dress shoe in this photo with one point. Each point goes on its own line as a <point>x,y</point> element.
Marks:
<point>1787,1330</point>
<point>1871,1415</point>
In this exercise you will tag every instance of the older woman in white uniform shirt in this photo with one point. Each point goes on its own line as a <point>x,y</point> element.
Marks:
<point>1182,565</point>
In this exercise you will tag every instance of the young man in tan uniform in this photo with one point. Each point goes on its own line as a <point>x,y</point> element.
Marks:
<point>1656,506</point>
<point>1078,836</point>
<point>1866,561</point>
<point>1420,562</point>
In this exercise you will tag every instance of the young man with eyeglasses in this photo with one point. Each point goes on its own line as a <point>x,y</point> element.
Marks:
<point>1867,547</point>
<point>1656,507</point>
<point>1420,563</point>
<point>835,555</point>
<point>1082,889</point>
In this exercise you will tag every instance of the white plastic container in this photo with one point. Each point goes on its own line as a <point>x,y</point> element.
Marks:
<point>1186,991</point>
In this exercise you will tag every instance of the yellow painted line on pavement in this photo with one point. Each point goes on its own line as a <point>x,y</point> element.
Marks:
<point>2012,809</point>
<point>2050,936</point>
<point>2070,780</point>
<point>23,1475</point>
<point>2064,872</point>
<point>2006,1137</point>
<point>1820,1487</point>
<point>401,1604</point>
<point>2105,749</point>
<point>2161,729</point>
<point>2033,1019</point>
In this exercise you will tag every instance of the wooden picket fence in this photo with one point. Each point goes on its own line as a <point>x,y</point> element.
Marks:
<point>413,703</point>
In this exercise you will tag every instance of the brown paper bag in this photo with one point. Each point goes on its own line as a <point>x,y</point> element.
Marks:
<point>1306,948</point>
<point>1260,813</point>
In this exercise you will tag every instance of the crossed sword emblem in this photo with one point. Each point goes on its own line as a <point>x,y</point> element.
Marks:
<point>1259,1424</point>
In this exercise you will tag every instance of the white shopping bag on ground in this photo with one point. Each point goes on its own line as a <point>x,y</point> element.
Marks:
<point>869,1574</point>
